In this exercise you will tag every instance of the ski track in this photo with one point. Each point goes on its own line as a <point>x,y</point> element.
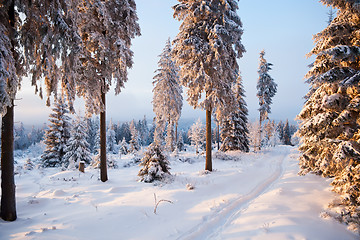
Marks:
<point>213,225</point>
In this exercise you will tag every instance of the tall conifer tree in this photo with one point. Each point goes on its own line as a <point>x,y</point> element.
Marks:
<point>106,29</point>
<point>330,126</point>
<point>266,90</point>
<point>77,149</point>
<point>167,99</point>
<point>234,130</point>
<point>206,48</point>
<point>57,136</point>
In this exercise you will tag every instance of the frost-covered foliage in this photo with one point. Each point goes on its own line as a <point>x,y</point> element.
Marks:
<point>266,87</point>
<point>269,136</point>
<point>123,147</point>
<point>51,42</point>
<point>254,136</point>
<point>93,126</point>
<point>234,131</point>
<point>330,125</point>
<point>167,99</point>
<point>155,165</point>
<point>110,139</point>
<point>106,29</point>
<point>170,141</point>
<point>12,64</point>
<point>134,145</point>
<point>77,149</point>
<point>57,136</point>
<point>21,139</point>
<point>180,146</point>
<point>197,135</point>
<point>206,49</point>
<point>287,134</point>
<point>111,163</point>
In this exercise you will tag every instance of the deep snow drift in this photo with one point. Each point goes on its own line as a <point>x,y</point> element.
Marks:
<point>248,196</point>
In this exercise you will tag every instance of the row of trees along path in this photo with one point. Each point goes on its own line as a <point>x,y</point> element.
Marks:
<point>91,40</point>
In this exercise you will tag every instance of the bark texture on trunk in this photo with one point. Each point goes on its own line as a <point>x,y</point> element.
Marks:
<point>103,166</point>
<point>259,140</point>
<point>176,134</point>
<point>208,164</point>
<point>218,136</point>
<point>8,201</point>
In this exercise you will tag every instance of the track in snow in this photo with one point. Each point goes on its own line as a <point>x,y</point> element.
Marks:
<point>212,226</point>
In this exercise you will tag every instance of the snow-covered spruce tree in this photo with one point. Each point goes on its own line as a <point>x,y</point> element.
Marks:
<point>93,125</point>
<point>57,136</point>
<point>167,98</point>
<point>280,131</point>
<point>180,143</point>
<point>234,131</point>
<point>287,133</point>
<point>134,145</point>
<point>21,140</point>
<point>155,165</point>
<point>111,141</point>
<point>266,90</point>
<point>144,131</point>
<point>197,134</point>
<point>123,147</point>
<point>206,49</point>
<point>106,29</point>
<point>329,128</point>
<point>77,149</point>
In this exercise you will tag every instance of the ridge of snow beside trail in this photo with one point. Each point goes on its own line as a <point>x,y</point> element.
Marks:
<point>223,217</point>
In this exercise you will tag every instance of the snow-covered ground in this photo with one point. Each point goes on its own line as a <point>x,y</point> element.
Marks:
<point>251,196</point>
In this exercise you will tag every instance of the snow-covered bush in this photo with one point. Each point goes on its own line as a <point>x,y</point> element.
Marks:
<point>28,165</point>
<point>110,161</point>
<point>155,165</point>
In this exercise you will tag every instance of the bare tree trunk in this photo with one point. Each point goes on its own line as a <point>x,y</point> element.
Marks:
<point>103,166</point>
<point>176,134</point>
<point>218,135</point>
<point>259,142</point>
<point>208,163</point>
<point>8,201</point>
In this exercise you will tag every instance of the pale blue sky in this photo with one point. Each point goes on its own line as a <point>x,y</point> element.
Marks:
<point>284,28</point>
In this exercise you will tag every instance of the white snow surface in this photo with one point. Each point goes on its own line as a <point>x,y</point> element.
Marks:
<point>247,196</point>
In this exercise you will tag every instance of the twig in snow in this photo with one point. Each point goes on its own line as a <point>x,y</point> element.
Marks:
<point>157,202</point>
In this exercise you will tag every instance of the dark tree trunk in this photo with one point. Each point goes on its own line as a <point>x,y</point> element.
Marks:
<point>176,134</point>
<point>218,135</point>
<point>208,163</point>
<point>8,201</point>
<point>259,146</point>
<point>103,166</point>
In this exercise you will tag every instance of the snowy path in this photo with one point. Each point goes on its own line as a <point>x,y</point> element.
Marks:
<point>214,225</point>
<point>256,196</point>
